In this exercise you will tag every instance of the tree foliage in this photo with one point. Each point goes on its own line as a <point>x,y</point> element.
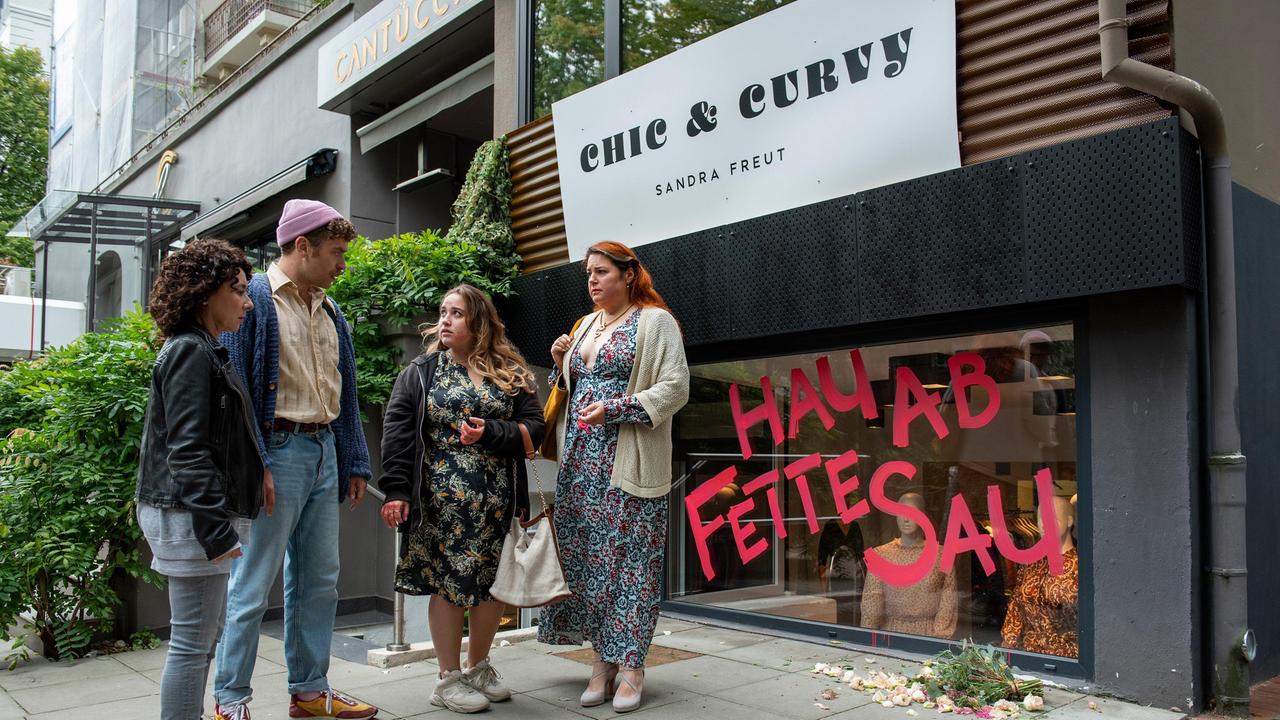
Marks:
<point>568,54</point>
<point>70,434</point>
<point>14,250</point>
<point>402,277</point>
<point>24,134</point>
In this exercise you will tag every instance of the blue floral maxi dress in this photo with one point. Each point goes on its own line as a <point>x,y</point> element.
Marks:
<point>612,543</point>
<point>454,552</point>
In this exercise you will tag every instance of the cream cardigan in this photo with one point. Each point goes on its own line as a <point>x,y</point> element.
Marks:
<point>660,382</point>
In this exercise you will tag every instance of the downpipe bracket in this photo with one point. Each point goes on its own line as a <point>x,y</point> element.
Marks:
<point>1232,458</point>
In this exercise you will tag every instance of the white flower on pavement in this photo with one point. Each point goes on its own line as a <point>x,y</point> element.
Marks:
<point>857,683</point>
<point>946,704</point>
<point>819,667</point>
<point>1033,703</point>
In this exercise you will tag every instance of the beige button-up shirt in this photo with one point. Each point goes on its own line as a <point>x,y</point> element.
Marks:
<point>310,387</point>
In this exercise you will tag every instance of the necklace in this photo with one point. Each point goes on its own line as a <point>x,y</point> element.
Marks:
<point>595,337</point>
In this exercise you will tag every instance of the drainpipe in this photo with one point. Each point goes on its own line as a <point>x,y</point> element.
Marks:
<point>1231,640</point>
<point>167,160</point>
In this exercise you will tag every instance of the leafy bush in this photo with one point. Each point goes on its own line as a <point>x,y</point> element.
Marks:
<point>70,432</point>
<point>403,277</point>
<point>482,212</point>
<point>400,278</point>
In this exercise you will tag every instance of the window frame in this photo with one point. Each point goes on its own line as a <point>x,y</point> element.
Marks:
<point>846,639</point>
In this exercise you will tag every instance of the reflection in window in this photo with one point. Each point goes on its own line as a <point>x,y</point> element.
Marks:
<point>568,49</point>
<point>653,28</point>
<point>792,541</point>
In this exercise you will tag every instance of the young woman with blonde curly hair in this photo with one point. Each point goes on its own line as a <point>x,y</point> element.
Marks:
<point>454,412</point>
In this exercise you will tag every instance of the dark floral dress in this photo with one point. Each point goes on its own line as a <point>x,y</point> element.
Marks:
<point>612,543</point>
<point>454,552</point>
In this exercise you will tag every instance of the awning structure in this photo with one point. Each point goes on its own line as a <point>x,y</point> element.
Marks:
<point>103,220</point>
<point>445,94</point>
<point>210,224</point>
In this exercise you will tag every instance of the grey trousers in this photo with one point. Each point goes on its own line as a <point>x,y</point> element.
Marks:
<point>197,609</point>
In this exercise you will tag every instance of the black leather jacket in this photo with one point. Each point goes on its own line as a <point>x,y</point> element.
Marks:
<point>406,444</point>
<point>199,448</point>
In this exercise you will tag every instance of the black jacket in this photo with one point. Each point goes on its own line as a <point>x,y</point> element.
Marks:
<point>199,448</point>
<point>405,444</point>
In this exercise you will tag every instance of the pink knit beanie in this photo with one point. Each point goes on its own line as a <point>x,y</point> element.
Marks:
<point>301,217</point>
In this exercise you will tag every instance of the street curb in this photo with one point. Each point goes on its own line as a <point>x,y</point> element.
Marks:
<point>383,658</point>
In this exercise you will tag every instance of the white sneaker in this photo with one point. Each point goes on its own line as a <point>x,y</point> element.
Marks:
<point>485,680</point>
<point>454,693</point>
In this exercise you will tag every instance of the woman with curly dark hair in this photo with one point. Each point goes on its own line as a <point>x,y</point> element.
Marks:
<point>200,479</point>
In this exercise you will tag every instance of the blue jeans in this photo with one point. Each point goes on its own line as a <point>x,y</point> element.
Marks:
<point>303,533</point>
<point>196,607</point>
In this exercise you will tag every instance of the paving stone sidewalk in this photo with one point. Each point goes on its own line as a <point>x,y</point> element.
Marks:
<point>706,673</point>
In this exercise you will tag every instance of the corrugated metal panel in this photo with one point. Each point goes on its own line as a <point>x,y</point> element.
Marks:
<point>537,217</point>
<point>1028,74</point>
<point>1027,77</point>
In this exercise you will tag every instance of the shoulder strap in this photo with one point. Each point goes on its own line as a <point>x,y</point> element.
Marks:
<point>574,330</point>
<point>528,440</point>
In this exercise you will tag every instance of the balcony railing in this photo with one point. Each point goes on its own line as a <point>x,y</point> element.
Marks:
<point>233,16</point>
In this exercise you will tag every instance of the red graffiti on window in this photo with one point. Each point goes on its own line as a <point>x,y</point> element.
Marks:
<point>913,403</point>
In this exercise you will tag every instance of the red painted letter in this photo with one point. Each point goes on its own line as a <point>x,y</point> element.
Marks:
<point>796,472</point>
<point>961,381</point>
<point>769,479</point>
<point>840,489</point>
<point>926,404</point>
<point>901,575</point>
<point>744,421</point>
<point>1047,546</point>
<point>741,532</point>
<point>696,499</point>
<point>804,400</point>
<point>973,539</point>
<point>862,394</point>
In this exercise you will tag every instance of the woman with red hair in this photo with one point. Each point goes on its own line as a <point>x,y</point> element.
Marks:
<point>625,374</point>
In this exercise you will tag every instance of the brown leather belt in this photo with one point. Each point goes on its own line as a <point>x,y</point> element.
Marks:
<point>283,425</point>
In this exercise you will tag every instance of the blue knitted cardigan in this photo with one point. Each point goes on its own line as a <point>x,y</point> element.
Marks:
<point>255,352</point>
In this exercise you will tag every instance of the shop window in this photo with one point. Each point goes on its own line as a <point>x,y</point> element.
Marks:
<point>960,523</point>
<point>653,28</point>
<point>568,49</point>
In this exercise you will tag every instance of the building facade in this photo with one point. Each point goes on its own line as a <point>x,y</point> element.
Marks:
<point>1004,337</point>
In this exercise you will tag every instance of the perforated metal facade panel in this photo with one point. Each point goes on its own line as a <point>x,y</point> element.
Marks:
<point>950,241</point>
<point>1105,214</point>
<point>1090,230</point>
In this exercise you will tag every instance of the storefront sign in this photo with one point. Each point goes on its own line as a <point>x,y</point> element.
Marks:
<point>370,46</point>
<point>814,100</point>
<point>912,403</point>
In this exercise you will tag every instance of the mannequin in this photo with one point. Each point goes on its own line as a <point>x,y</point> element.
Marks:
<point>841,568</point>
<point>926,608</point>
<point>1043,611</point>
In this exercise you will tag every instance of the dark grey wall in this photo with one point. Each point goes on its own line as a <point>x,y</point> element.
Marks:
<point>1145,449</point>
<point>1257,267</point>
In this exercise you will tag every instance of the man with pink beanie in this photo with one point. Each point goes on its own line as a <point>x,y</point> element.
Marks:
<point>295,354</point>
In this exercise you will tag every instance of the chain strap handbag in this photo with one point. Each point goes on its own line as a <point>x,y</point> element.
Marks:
<point>529,571</point>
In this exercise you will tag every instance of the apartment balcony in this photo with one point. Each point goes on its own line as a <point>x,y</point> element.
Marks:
<point>237,29</point>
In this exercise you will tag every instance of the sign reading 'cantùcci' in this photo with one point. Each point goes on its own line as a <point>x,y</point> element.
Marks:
<point>815,100</point>
<point>370,46</point>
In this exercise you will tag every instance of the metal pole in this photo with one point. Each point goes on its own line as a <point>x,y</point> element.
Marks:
<point>93,268</point>
<point>148,251</point>
<point>397,643</point>
<point>44,295</point>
